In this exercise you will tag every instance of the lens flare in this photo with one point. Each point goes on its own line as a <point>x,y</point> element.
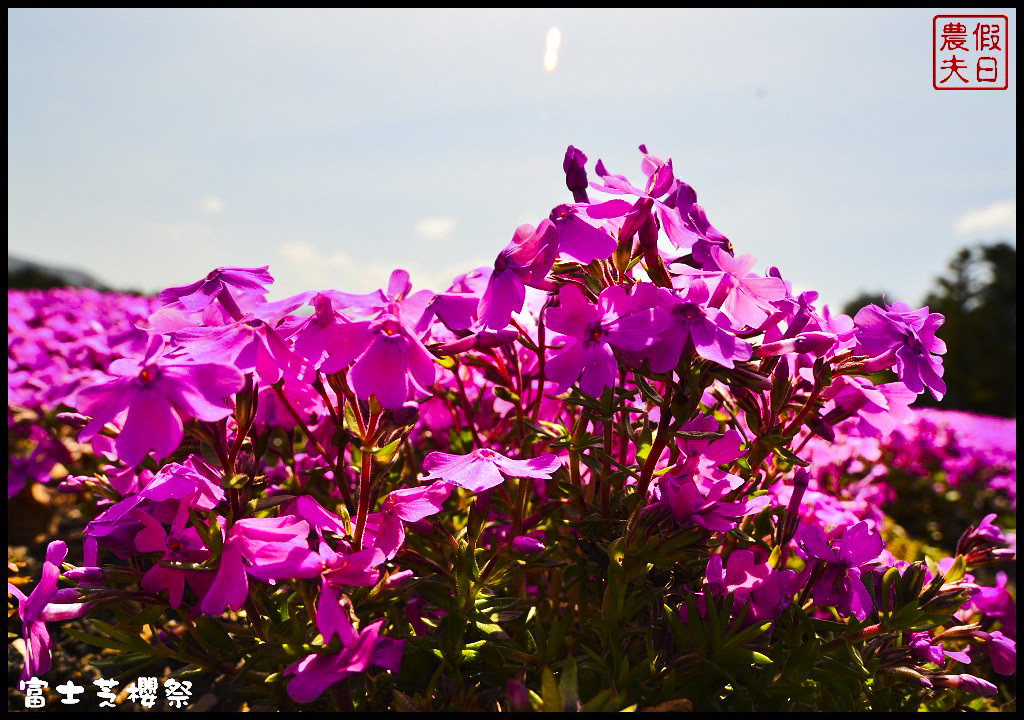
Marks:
<point>554,39</point>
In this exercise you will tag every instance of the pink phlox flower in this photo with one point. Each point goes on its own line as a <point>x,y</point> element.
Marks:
<point>396,300</point>
<point>327,339</point>
<point>319,518</point>
<point>839,583</point>
<point>250,343</point>
<point>194,479</point>
<point>921,645</point>
<point>395,367</point>
<point>526,545</point>
<point>269,549</point>
<point>877,409</point>
<point>318,671</point>
<point>1002,651</point>
<point>695,231</point>
<point>695,491</point>
<point>341,569</point>
<point>578,238</point>
<point>745,296</point>
<point>358,568</point>
<point>574,165</point>
<point>159,392</point>
<point>44,604</point>
<point>997,604</point>
<point>484,468</point>
<point>618,320</point>
<point>692,325</point>
<point>182,544</point>
<point>768,590</point>
<point>811,342</point>
<point>660,181</point>
<point>524,261</point>
<point>385,530</point>
<point>909,336</point>
<point>218,283</point>
<point>965,682</point>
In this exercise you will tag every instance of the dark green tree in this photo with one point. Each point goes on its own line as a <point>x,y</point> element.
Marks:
<point>978,297</point>
<point>881,299</point>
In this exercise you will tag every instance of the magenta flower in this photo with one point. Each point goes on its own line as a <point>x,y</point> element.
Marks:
<point>693,326</point>
<point>617,321</point>
<point>218,284</point>
<point>44,604</point>
<point>181,544</point>
<point>768,590</point>
<point>524,261</point>
<point>267,549</point>
<point>317,672</point>
<point>705,504</point>
<point>385,530</point>
<point>920,644</point>
<point>660,181</point>
<point>1002,651</point>
<point>327,340</point>
<point>839,583</point>
<point>695,231</point>
<point>395,366</point>
<point>160,392</point>
<point>483,469</point>
<point>747,297</point>
<point>526,545</point>
<point>577,238</point>
<point>250,343</point>
<point>356,569</point>
<point>353,569</point>
<point>909,336</point>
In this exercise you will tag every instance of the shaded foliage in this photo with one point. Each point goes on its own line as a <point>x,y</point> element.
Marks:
<point>978,297</point>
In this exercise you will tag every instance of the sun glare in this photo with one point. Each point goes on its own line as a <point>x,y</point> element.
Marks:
<point>554,39</point>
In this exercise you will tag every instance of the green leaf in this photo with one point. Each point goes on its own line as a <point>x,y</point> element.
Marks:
<point>213,632</point>
<point>549,692</point>
<point>648,390</point>
<point>567,686</point>
<point>491,629</point>
<point>957,570</point>
<point>387,453</point>
<point>148,615</point>
<point>790,456</point>
<point>95,640</point>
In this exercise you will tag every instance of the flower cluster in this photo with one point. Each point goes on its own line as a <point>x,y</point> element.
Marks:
<point>618,468</point>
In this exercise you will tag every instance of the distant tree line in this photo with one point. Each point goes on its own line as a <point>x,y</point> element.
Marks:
<point>978,297</point>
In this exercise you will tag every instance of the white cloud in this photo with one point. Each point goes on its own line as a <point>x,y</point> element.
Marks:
<point>311,269</point>
<point>435,229</point>
<point>181,233</point>
<point>212,205</point>
<point>1000,217</point>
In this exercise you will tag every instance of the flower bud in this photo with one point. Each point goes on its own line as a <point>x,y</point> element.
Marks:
<point>75,484</point>
<point>73,419</point>
<point>967,683</point>
<point>518,696</point>
<point>526,545</point>
<point>816,343</point>
<point>575,173</point>
<point>85,575</point>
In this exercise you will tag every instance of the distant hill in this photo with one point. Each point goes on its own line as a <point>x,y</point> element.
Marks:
<point>25,274</point>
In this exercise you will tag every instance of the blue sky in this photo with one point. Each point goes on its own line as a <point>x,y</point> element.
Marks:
<point>150,146</point>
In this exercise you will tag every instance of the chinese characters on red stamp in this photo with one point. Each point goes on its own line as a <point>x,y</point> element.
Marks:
<point>970,52</point>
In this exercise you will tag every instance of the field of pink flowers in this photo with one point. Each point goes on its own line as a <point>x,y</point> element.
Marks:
<point>619,469</point>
